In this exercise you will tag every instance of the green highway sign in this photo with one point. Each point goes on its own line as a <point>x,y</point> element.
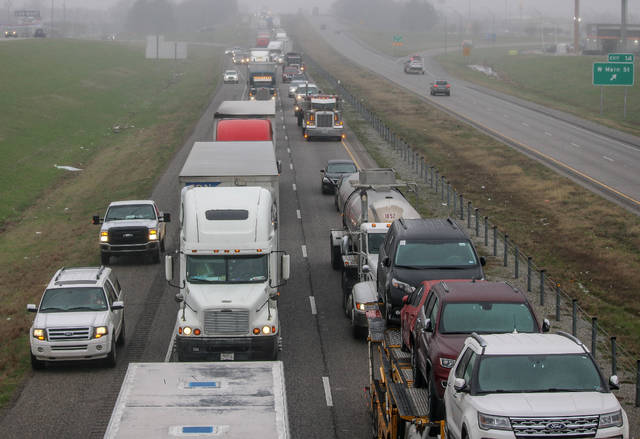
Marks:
<point>397,38</point>
<point>612,73</point>
<point>621,57</point>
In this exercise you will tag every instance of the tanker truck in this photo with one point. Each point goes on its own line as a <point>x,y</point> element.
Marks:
<point>369,200</point>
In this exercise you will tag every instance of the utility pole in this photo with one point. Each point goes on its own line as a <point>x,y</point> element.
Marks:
<point>51,32</point>
<point>623,25</point>
<point>576,26</point>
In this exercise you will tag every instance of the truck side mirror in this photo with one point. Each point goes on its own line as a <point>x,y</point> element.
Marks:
<point>322,171</point>
<point>428,326</point>
<point>385,261</point>
<point>32,308</point>
<point>460,385</point>
<point>166,217</point>
<point>614,382</point>
<point>286,266</point>
<point>546,325</point>
<point>483,261</point>
<point>179,298</point>
<point>168,268</point>
<point>95,220</point>
<point>279,166</point>
<point>117,305</point>
<point>366,269</point>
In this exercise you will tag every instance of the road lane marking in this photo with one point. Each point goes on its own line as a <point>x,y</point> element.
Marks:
<point>524,124</point>
<point>167,357</point>
<point>298,214</point>
<point>576,145</point>
<point>284,127</point>
<point>346,147</point>
<point>548,133</point>
<point>506,116</point>
<point>291,166</point>
<point>288,150</point>
<point>608,158</point>
<point>286,138</point>
<point>312,302</point>
<point>304,251</point>
<point>294,187</point>
<point>327,391</point>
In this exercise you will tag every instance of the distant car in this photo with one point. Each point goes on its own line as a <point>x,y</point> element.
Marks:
<point>39,33</point>
<point>333,172</point>
<point>240,57</point>
<point>288,72</point>
<point>10,34</point>
<point>414,64</point>
<point>440,87</point>
<point>293,86</point>
<point>230,76</point>
<point>232,51</point>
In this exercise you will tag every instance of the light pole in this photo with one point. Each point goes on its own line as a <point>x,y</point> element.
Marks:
<point>51,32</point>
<point>576,26</point>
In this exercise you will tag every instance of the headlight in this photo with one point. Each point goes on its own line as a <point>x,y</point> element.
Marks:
<point>490,422</point>
<point>611,420</point>
<point>326,180</point>
<point>447,362</point>
<point>360,306</point>
<point>153,235</point>
<point>40,334</point>
<point>104,236</point>
<point>100,331</point>
<point>187,330</point>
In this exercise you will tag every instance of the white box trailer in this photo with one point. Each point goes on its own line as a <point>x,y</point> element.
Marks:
<point>231,400</point>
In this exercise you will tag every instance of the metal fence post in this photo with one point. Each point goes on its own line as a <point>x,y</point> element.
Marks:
<point>442,181</point>
<point>594,335</point>
<point>638,385</point>
<point>449,196</point>
<point>477,221</point>
<point>574,311</point>
<point>505,252</point>
<point>468,214</point>
<point>542,286</point>
<point>614,360</point>
<point>529,273</point>
<point>486,231</point>
<point>437,179</point>
<point>495,240</point>
<point>557,302</point>
<point>461,207</point>
<point>515,263</point>
<point>431,183</point>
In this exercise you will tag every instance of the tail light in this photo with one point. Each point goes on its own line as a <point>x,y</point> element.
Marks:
<point>448,85</point>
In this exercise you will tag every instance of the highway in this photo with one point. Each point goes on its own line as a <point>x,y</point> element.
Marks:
<point>325,367</point>
<point>604,160</point>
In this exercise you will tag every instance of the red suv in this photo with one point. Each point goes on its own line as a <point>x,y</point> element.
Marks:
<point>451,312</point>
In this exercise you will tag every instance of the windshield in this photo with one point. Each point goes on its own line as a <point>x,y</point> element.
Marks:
<point>374,242</point>
<point>231,72</point>
<point>130,211</point>
<point>435,254</point>
<point>73,300</point>
<point>227,269</point>
<point>441,82</point>
<point>310,90</point>
<point>341,168</point>
<point>485,317</point>
<point>324,106</point>
<point>538,373</point>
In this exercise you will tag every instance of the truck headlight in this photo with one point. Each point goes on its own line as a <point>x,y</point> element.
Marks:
<point>100,331</point>
<point>360,306</point>
<point>153,234</point>
<point>40,334</point>
<point>187,330</point>
<point>490,422</point>
<point>104,236</point>
<point>611,420</point>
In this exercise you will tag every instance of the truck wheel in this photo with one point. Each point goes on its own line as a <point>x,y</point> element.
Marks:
<point>335,256</point>
<point>348,305</point>
<point>122,333</point>
<point>112,358</point>
<point>36,364</point>
<point>155,256</point>
<point>162,246</point>
<point>357,331</point>
<point>299,120</point>
<point>434,404</point>
<point>104,258</point>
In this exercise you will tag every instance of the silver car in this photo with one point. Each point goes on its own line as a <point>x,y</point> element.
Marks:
<point>230,76</point>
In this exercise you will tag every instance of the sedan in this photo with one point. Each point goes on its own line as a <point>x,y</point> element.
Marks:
<point>230,76</point>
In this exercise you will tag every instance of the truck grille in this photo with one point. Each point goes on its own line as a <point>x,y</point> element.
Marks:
<point>324,120</point>
<point>575,427</point>
<point>63,334</point>
<point>226,321</point>
<point>128,235</point>
<point>73,347</point>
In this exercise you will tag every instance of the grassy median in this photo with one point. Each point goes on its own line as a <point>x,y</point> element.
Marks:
<point>96,106</point>
<point>589,245</point>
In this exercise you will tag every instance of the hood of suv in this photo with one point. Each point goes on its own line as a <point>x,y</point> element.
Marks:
<point>546,404</point>
<point>62,319</point>
<point>130,223</point>
<point>203,296</point>
<point>415,276</point>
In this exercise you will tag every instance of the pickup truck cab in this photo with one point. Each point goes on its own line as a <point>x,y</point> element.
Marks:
<point>80,317</point>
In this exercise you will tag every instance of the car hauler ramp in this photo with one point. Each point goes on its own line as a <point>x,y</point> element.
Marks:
<point>230,400</point>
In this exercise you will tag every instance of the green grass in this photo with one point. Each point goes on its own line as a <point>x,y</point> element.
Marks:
<point>62,100</point>
<point>562,82</point>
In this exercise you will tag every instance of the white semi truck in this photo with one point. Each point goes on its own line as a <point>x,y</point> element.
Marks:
<point>169,400</point>
<point>230,263</point>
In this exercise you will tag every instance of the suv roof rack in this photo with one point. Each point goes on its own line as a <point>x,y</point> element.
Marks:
<point>573,338</point>
<point>481,341</point>
<point>59,274</point>
<point>402,223</point>
<point>102,267</point>
<point>444,286</point>
<point>453,223</point>
<point>57,280</point>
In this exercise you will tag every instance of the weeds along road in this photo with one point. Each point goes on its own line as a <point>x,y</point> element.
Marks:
<point>605,163</point>
<point>325,367</point>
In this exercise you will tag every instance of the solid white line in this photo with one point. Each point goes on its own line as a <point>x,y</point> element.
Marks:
<point>548,133</point>
<point>312,301</point>
<point>524,124</point>
<point>294,187</point>
<point>291,166</point>
<point>286,138</point>
<point>327,391</point>
<point>282,117</point>
<point>576,145</point>
<point>288,150</point>
<point>608,158</point>
<point>298,214</point>
<point>304,251</point>
<point>284,127</point>
<point>171,343</point>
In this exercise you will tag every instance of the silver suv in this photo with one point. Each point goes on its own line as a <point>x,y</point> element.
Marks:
<point>80,317</point>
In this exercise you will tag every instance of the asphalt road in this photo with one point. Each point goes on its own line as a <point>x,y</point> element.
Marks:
<point>604,160</point>
<point>325,367</point>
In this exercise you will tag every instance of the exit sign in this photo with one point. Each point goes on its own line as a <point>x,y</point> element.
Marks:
<point>621,57</point>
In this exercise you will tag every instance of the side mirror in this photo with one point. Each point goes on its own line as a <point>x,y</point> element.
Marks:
<point>166,217</point>
<point>366,269</point>
<point>117,305</point>
<point>279,166</point>
<point>322,171</point>
<point>95,220</point>
<point>168,268</point>
<point>614,382</point>
<point>385,261</point>
<point>405,299</point>
<point>460,385</point>
<point>179,298</point>
<point>546,325</point>
<point>32,308</point>
<point>428,326</point>
<point>483,261</point>
<point>286,266</point>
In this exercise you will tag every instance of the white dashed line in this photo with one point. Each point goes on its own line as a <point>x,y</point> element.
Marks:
<point>608,158</point>
<point>524,124</point>
<point>294,187</point>
<point>575,144</point>
<point>304,251</point>
<point>288,150</point>
<point>548,133</point>
<point>284,127</point>
<point>298,214</point>
<point>506,116</point>
<point>312,301</point>
<point>286,138</point>
<point>327,391</point>
<point>291,166</point>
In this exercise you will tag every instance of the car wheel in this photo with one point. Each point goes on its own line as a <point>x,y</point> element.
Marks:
<point>418,379</point>
<point>155,256</point>
<point>36,364</point>
<point>122,332</point>
<point>434,404</point>
<point>348,306</point>
<point>112,358</point>
<point>162,246</point>
<point>104,258</point>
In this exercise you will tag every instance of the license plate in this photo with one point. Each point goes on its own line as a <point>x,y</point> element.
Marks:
<point>226,357</point>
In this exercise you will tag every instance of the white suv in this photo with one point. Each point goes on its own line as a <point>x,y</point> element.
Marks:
<point>80,317</point>
<point>530,385</point>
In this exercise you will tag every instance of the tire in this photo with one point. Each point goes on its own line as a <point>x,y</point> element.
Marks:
<point>348,306</point>
<point>104,258</point>
<point>357,331</point>
<point>155,256</point>
<point>387,309</point>
<point>335,201</point>
<point>435,410</point>
<point>37,364</point>
<point>162,247</point>
<point>121,337</point>
<point>336,263</point>
<point>418,379</point>
<point>112,358</point>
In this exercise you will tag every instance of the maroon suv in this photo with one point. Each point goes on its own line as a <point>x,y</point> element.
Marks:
<point>453,311</point>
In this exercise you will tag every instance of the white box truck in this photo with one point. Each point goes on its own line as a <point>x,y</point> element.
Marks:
<point>230,263</point>
<point>168,400</point>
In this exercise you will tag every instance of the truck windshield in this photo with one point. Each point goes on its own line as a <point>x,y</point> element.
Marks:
<point>485,318</point>
<point>341,168</point>
<point>436,254</point>
<point>374,242</point>
<point>323,106</point>
<point>227,269</point>
<point>73,300</point>
<point>538,373</point>
<point>130,211</point>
